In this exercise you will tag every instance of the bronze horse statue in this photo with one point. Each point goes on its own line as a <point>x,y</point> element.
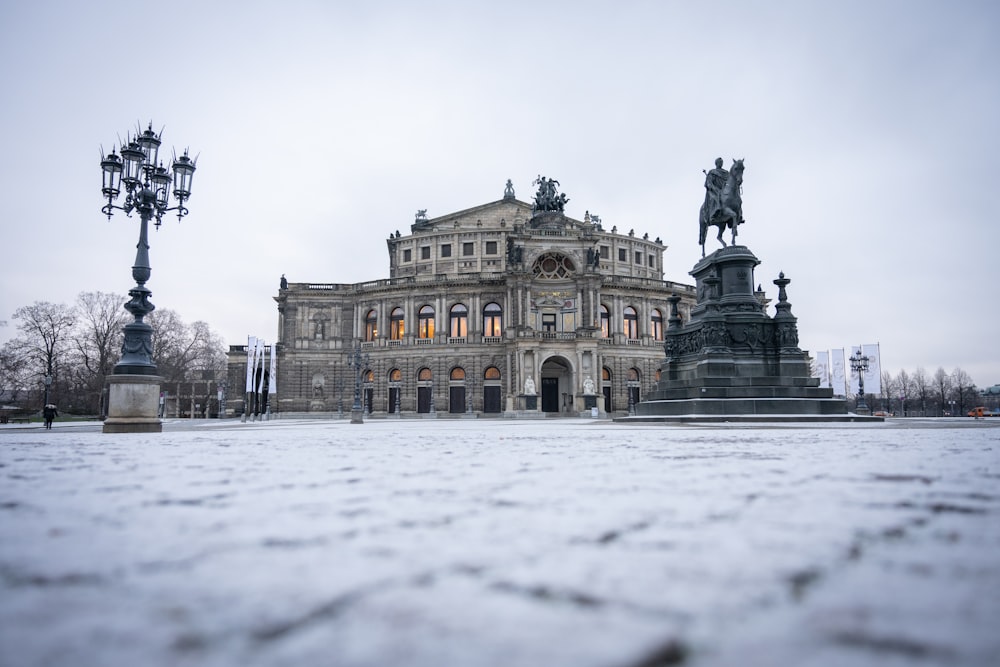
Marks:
<point>727,211</point>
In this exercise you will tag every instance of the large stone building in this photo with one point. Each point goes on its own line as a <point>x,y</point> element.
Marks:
<point>508,308</point>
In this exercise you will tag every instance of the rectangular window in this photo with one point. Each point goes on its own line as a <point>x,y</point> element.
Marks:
<point>491,247</point>
<point>651,260</point>
<point>549,322</point>
<point>605,252</point>
<point>638,257</point>
<point>407,255</point>
<point>446,250</point>
<point>468,249</point>
<point>425,252</point>
<point>622,257</point>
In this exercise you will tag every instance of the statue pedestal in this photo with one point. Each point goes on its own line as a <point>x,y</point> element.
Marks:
<point>589,401</point>
<point>133,404</point>
<point>531,402</point>
<point>734,362</point>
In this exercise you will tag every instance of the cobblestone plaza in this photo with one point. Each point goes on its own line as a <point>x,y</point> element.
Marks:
<point>501,542</point>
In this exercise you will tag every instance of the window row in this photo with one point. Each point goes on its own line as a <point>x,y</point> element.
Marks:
<point>630,323</point>
<point>445,250</point>
<point>458,322</point>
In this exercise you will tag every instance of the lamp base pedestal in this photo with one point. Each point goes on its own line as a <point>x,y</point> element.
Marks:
<point>133,404</point>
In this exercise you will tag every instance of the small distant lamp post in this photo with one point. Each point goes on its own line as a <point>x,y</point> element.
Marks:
<point>357,361</point>
<point>134,384</point>
<point>47,381</point>
<point>859,365</point>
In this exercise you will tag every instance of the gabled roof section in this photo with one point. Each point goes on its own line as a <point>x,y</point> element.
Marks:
<point>476,212</point>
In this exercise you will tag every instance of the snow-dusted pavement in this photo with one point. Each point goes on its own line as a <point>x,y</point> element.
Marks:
<point>437,543</point>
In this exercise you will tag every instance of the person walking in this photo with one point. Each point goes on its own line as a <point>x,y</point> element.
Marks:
<point>49,412</point>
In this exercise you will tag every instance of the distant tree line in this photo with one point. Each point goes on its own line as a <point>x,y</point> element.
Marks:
<point>78,346</point>
<point>920,394</point>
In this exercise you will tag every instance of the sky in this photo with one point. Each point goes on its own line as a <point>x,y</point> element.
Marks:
<point>868,131</point>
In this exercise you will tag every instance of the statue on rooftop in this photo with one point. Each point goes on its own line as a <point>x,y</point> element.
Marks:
<point>546,199</point>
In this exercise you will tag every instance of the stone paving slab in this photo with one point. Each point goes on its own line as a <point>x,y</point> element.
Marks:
<point>571,542</point>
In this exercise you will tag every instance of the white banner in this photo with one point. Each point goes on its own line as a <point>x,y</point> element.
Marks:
<point>821,369</point>
<point>272,386</point>
<point>838,374</point>
<point>873,378</point>
<point>251,351</point>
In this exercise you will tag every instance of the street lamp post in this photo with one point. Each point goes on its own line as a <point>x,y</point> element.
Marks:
<point>134,384</point>
<point>357,361</point>
<point>47,381</point>
<point>859,365</point>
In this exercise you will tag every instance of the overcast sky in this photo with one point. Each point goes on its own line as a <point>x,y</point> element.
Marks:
<point>869,131</point>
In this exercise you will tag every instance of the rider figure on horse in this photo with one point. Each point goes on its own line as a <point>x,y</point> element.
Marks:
<point>715,180</point>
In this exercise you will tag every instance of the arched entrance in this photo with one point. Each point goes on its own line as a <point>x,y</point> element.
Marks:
<point>557,385</point>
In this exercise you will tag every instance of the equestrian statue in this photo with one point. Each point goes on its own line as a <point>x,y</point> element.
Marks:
<point>723,205</point>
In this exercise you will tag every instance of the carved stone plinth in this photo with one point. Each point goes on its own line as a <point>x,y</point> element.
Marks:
<point>133,404</point>
<point>732,360</point>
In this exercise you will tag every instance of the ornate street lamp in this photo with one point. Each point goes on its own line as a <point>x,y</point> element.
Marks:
<point>357,361</point>
<point>147,190</point>
<point>859,365</point>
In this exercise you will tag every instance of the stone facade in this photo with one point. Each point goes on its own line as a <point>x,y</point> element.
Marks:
<point>476,303</point>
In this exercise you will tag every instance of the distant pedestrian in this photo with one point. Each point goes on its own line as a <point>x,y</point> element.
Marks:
<point>50,413</point>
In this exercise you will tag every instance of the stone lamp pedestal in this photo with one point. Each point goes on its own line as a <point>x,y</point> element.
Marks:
<point>133,404</point>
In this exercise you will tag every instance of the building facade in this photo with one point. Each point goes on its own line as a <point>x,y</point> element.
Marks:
<point>508,308</point>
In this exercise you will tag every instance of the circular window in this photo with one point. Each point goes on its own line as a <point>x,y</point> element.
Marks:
<point>553,265</point>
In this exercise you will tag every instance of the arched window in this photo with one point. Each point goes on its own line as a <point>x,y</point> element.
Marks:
<point>458,373</point>
<point>395,375</point>
<point>426,322</point>
<point>371,325</point>
<point>631,323</point>
<point>605,322</point>
<point>396,322</point>
<point>425,375</point>
<point>492,320</point>
<point>656,324</point>
<point>369,376</point>
<point>458,321</point>
<point>492,373</point>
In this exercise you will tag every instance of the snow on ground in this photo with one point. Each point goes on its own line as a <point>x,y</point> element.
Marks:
<point>501,543</point>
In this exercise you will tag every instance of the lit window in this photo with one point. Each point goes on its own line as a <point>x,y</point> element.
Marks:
<point>492,320</point>
<point>458,321</point>
<point>605,322</point>
<point>396,324</point>
<point>631,322</point>
<point>656,324</point>
<point>371,325</point>
<point>424,375</point>
<point>395,375</point>
<point>426,322</point>
<point>458,373</point>
<point>492,373</point>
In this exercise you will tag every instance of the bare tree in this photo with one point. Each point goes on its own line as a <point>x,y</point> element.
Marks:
<point>963,387</point>
<point>97,342</point>
<point>44,330</point>
<point>182,351</point>
<point>942,388</point>
<point>888,387</point>
<point>904,383</point>
<point>921,388</point>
